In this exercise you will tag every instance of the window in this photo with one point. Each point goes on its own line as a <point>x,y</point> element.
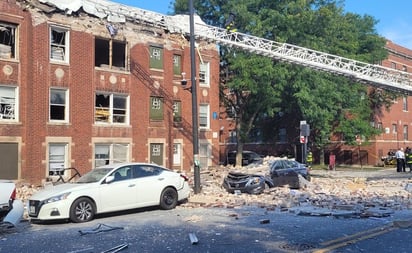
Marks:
<point>156,108</point>
<point>8,41</point>
<point>156,153</point>
<point>110,153</point>
<point>59,44</point>
<point>394,128</point>
<point>204,116</point>
<point>156,57</point>
<point>177,111</point>
<point>393,65</point>
<point>111,108</point>
<point>58,106</point>
<point>204,74</point>
<point>110,54</point>
<point>177,154</point>
<point>404,68</point>
<point>405,103</point>
<point>405,132</point>
<point>205,152</point>
<point>379,126</point>
<point>282,135</point>
<point>177,64</point>
<point>8,106</point>
<point>57,158</point>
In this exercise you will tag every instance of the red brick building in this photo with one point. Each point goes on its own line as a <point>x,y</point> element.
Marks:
<point>80,89</point>
<point>396,124</point>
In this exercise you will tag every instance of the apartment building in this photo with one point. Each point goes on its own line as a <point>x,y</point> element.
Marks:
<point>395,124</point>
<point>83,86</point>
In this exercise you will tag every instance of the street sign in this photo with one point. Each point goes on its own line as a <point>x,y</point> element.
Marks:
<point>302,139</point>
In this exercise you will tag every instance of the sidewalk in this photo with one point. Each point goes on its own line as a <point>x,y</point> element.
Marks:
<point>378,173</point>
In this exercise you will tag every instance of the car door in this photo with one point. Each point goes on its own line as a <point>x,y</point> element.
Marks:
<point>282,173</point>
<point>119,194</point>
<point>149,184</point>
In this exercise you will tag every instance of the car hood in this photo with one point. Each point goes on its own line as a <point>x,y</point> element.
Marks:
<point>51,191</point>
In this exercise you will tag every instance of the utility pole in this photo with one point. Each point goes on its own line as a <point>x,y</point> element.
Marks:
<point>195,128</point>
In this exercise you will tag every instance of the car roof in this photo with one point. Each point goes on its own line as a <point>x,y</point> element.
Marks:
<point>117,165</point>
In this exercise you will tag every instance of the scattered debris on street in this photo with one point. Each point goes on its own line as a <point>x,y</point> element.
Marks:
<point>100,228</point>
<point>345,193</point>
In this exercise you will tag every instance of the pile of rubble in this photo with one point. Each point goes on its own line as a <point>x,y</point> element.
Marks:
<point>336,193</point>
<point>328,193</point>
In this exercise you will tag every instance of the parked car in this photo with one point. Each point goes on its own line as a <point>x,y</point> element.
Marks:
<point>248,157</point>
<point>287,171</point>
<point>247,183</point>
<point>110,188</point>
<point>11,209</point>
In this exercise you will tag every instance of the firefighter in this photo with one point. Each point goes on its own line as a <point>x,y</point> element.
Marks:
<point>408,158</point>
<point>309,158</point>
<point>230,23</point>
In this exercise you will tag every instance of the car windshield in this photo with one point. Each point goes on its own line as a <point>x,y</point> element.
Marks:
<point>94,175</point>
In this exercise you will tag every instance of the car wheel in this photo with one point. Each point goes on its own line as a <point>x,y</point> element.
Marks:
<point>82,210</point>
<point>168,198</point>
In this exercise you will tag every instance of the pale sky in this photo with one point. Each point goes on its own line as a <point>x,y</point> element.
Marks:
<point>394,16</point>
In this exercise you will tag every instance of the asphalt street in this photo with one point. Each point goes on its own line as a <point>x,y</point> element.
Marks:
<point>246,229</point>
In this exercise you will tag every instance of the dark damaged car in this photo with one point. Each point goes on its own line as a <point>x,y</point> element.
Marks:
<point>246,183</point>
<point>288,172</point>
<point>281,172</point>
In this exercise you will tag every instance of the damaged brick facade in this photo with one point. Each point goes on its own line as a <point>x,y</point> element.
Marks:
<point>80,91</point>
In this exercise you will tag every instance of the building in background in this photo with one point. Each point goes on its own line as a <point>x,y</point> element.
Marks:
<point>395,124</point>
<point>83,86</point>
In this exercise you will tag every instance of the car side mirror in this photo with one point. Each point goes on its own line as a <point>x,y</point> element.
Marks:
<point>109,179</point>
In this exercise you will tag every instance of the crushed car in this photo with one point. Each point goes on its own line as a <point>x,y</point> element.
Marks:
<point>11,209</point>
<point>246,183</point>
<point>289,172</point>
<point>281,172</point>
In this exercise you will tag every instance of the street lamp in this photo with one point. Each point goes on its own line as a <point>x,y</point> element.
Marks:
<point>195,129</point>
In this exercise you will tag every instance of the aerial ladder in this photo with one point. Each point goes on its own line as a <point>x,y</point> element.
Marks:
<point>371,74</point>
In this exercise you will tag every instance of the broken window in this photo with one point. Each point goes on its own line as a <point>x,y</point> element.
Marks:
<point>59,44</point>
<point>108,153</point>
<point>7,41</point>
<point>156,57</point>
<point>110,54</point>
<point>111,108</point>
<point>156,108</point>
<point>8,103</point>
<point>204,74</point>
<point>58,105</point>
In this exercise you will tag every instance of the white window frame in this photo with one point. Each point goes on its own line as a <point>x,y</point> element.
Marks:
<point>109,110</point>
<point>205,154</point>
<point>9,103</point>
<point>65,103</point>
<point>108,153</point>
<point>204,113</point>
<point>59,51</point>
<point>177,154</point>
<point>57,158</point>
<point>204,74</point>
<point>9,50</point>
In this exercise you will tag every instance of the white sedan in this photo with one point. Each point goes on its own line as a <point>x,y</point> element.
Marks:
<point>110,188</point>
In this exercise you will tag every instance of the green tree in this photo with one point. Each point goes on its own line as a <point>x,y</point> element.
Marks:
<point>263,88</point>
